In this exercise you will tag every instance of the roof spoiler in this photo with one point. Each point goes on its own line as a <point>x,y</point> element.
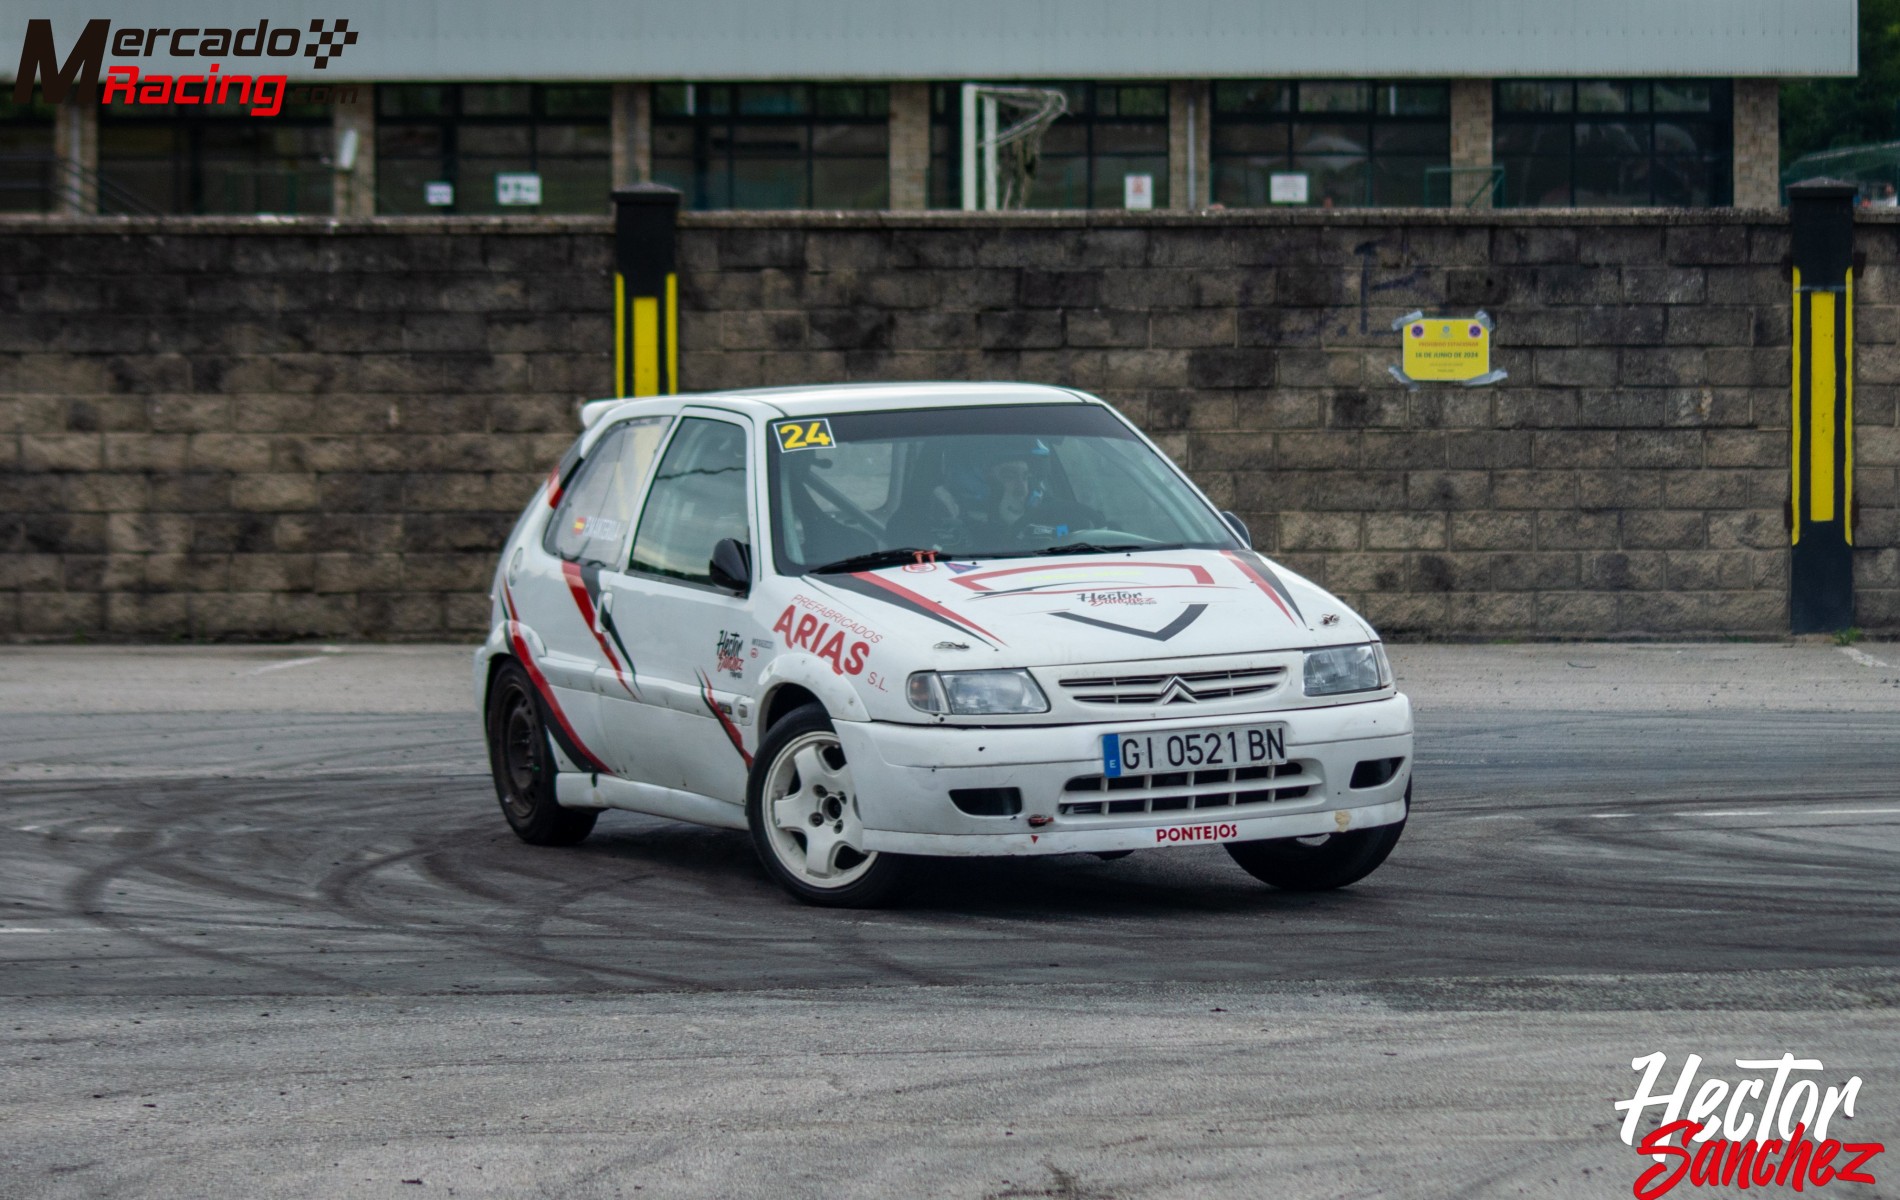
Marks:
<point>593,410</point>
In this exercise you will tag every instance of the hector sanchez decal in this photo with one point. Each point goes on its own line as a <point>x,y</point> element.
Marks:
<point>1771,1125</point>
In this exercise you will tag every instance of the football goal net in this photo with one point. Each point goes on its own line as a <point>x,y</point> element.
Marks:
<point>1002,141</point>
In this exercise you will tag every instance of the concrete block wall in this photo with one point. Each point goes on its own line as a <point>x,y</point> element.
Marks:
<point>1628,477</point>
<point>226,428</point>
<point>215,428</point>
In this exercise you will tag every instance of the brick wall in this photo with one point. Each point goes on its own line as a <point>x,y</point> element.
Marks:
<point>217,428</point>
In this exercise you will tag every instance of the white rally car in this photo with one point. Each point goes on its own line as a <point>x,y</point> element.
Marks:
<point>874,622</point>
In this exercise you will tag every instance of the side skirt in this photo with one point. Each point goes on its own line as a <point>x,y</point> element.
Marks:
<point>579,790</point>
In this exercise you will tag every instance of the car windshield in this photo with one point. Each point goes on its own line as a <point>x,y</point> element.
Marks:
<point>854,491</point>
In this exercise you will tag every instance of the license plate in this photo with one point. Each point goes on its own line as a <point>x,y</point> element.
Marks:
<point>1193,750</point>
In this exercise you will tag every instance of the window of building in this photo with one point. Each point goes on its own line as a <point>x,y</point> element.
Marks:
<point>1357,143</point>
<point>27,179</point>
<point>465,135</point>
<point>782,145</point>
<point>943,179</point>
<point>1111,131</point>
<point>218,159</point>
<point>1614,142</point>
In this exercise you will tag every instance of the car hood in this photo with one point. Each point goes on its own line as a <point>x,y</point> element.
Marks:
<point>1096,608</point>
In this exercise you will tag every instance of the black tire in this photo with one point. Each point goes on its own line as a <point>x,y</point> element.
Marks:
<point>866,880</point>
<point>1293,865</point>
<point>522,763</point>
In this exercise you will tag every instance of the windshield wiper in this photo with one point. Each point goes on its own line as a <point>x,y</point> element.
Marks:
<point>873,559</point>
<point>1115,548</point>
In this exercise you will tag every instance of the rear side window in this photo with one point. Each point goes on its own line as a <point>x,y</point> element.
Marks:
<point>698,498</point>
<point>591,523</point>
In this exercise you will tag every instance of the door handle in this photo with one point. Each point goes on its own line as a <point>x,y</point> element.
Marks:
<point>602,608</point>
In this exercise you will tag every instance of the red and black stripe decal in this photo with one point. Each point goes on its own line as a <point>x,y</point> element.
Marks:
<point>613,631</point>
<point>864,583</point>
<point>560,727</point>
<point>583,583</point>
<point>562,472</point>
<point>1263,577</point>
<point>725,722</point>
<point>981,583</point>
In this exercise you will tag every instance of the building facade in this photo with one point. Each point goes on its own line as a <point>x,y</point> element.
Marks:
<point>458,107</point>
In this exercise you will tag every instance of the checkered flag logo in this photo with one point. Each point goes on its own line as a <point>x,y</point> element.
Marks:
<point>329,43</point>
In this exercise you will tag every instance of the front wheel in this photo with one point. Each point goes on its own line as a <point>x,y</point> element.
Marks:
<point>1319,864</point>
<point>802,808</point>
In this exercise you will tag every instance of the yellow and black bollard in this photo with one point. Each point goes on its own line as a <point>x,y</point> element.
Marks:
<point>1821,441</point>
<point>646,291</point>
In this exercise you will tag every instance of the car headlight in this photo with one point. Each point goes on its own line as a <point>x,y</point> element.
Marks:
<point>1347,669</point>
<point>976,693</point>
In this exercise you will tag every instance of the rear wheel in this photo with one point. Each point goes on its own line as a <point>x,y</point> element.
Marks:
<point>1319,864</point>
<point>523,765</point>
<point>802,808</point>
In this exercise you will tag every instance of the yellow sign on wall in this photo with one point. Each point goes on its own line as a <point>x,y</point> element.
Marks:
<point>1446,349</point>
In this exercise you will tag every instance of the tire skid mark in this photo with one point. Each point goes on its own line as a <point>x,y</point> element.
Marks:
<point>341,889</point>
<point>86,897</point>
<point>625,923</point>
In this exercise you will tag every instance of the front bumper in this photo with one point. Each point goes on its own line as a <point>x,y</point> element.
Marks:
<point>904,774</point>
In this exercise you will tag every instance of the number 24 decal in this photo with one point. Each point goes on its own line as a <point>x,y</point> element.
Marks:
<point>803,435</point>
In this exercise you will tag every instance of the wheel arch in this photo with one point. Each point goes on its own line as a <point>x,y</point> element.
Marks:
<point>782,700</point>
<point>495,663</point>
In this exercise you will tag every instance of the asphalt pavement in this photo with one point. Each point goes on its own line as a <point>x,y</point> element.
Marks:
<point>264,933</point>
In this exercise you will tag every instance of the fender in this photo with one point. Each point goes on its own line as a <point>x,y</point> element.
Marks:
<point>484,673</point>
<point>485,655</point>
<point>838,695</point>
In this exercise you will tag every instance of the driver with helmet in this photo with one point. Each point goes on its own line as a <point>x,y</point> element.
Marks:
<point>994,494</point>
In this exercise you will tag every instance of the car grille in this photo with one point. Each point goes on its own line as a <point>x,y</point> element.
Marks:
<point>1170,687</point>
<point>1180,791</point>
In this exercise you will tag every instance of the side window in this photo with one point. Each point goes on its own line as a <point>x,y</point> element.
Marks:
<point>594,515</point>
<point>699,496</point>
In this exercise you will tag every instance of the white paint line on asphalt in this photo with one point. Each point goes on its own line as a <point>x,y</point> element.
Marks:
<point>1797,812</point>
<point>1750,812</point>
<point>2,931</point>
<point>1865,659</point>
<point>278,666</point>
<point>75,772</point>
